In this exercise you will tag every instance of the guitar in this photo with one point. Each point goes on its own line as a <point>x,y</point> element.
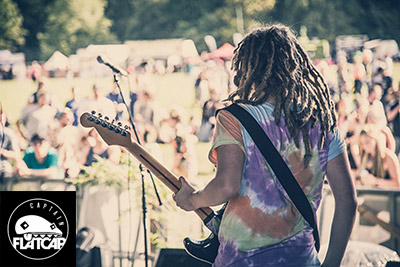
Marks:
<point>115,134</point>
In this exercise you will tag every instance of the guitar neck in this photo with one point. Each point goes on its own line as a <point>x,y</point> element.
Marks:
<point>163,174</point>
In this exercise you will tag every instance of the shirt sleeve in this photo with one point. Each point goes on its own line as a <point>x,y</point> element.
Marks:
<point>337,145</point>
<point>227,131</point>
<point>52,158</point>
<point>28,157</point>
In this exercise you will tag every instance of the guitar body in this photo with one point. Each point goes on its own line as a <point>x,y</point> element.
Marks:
<point>114,134</point>
<point>205,250</point>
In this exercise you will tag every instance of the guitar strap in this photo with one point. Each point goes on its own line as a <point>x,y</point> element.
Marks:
<point>278,165</point>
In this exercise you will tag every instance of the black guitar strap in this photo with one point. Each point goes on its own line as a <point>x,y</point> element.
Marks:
<point>278,165</point>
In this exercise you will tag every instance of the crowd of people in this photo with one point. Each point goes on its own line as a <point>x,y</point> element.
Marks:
<point>47,140</point>
<point>367,104</point>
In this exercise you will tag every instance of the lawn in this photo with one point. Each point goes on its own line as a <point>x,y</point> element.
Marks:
<point>171,89</point>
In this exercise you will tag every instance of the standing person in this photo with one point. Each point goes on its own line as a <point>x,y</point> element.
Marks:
<point>393,116</point>
<point>98,102</point>
<point>37,118</point>
<point>208,116</point>
<point>73,104</point>
<point>116,98</point>
<point>10,153</point>
<point>359,73</point>
<point>284,92</point>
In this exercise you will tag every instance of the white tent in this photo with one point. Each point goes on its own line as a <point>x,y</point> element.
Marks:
<point>57,61</point>
<point>162,49</point>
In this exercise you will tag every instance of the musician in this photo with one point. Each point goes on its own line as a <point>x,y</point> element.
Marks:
<point>281,88</point>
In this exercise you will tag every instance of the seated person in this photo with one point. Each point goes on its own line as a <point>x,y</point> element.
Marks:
<point>96,146</point>
<point>41,159</point>
<point>208,116</point>
<point>185,161</point>
<point>117,100</point>
<point>378,165</point>
<point>9,151</point>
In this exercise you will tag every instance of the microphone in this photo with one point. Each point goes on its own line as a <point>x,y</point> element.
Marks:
<point>112,66</point>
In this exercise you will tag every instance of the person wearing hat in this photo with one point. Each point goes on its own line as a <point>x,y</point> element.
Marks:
<point>40,158</point>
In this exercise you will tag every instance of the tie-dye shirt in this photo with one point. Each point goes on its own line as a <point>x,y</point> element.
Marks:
<point>261,226</point>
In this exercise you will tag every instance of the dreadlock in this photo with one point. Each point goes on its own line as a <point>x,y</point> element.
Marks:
<point>270,62</point>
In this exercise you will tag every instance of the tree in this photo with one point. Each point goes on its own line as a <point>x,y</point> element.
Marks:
<point>34,13</point>
<point>119,12</point>
<point>158,19</point>
<point>216,20</point>
<point>379,19</point>
<point>328,19</point>
<point>74,24</point>
<point>11,31</point>
<point>68,25</point>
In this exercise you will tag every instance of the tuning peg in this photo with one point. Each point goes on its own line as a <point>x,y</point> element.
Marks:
<point>126,127</point>
<point>117,130</point>
<point>106,118</point>
<point>100,115</point>
<point>119,124</point>
<point>93,112</point>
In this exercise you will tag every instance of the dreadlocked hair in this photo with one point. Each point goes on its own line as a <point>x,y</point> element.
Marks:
<point>270,62</point>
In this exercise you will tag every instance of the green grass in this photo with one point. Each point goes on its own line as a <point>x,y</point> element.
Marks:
<point>170,90</point>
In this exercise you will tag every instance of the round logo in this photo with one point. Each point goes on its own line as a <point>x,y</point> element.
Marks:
<point>37,229</point>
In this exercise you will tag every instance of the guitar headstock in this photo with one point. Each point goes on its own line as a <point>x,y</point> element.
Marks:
<point>111,132</point>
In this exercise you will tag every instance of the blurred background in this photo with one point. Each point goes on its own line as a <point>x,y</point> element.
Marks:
<point>177,58</point>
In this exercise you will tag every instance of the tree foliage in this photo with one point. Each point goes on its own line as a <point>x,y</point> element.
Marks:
<point>34,13</point>
<point>11,31</point>
<point>63,25</point>
<point>158,19</point>
<point>328,19</point>
<point>68,25</point>
<point>74,24</point>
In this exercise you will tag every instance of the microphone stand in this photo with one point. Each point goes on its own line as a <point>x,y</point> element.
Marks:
<point>144,209</point>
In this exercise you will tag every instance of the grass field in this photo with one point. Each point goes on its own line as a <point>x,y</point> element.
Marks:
<point>172,89</point>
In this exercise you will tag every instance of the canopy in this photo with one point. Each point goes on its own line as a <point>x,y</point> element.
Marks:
<point>225,51</point>
<point>56,62</point>
<point>8,58</point>
<point>162,49</point>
